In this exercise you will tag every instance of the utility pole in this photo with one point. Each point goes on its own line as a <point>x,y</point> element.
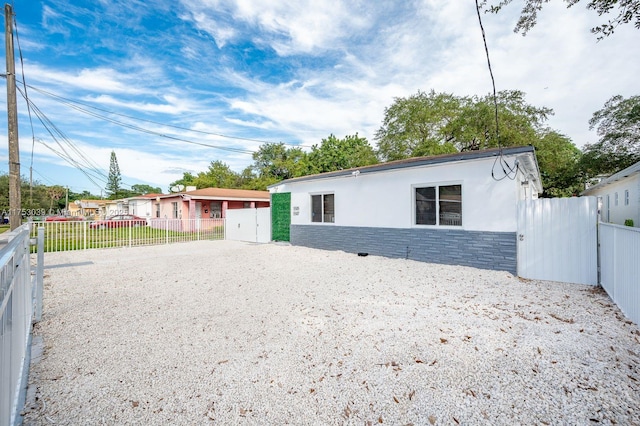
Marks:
<point>15,210</point>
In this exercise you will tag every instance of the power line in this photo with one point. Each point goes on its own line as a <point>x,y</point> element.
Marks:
<point>508,170</point>
<point>74,104</point>
<point>142,129</point>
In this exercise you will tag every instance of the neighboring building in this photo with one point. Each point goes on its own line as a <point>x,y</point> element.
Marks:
<point>89,209</point>
<point>455,209</point>
<point>207,203</point>
<point>619,195</point>
<point>140,205</point>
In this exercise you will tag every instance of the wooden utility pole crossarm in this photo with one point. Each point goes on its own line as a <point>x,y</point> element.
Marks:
<point>15,211</point>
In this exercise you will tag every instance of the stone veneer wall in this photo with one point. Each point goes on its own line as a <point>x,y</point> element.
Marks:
<point>486,250</point>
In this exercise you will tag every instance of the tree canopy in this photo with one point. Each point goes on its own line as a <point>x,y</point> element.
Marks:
<point>439,123</point>
<point>626,11</point>
<point>436,123</point>
<point>558,160</point>
<point>340,154</point>
<point>142,189</point>
<point>418,125</point>
<point>218,175</point>
<point>617,124</point>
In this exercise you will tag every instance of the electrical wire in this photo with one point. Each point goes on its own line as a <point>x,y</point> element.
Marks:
<point>33,135</point>
<point>74,104</point>
<point>91,171</point>
<point>508,170</point>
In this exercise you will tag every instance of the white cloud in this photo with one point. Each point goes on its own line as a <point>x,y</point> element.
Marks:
<point>338,64</point>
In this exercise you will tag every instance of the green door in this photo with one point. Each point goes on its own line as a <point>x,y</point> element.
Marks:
<point>280,216</point>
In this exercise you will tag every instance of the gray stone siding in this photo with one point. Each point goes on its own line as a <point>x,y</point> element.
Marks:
<point>486,250</point>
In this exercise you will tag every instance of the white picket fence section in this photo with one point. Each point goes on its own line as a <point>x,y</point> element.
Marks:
<point>81,235</point>
<point>557,239</point>
<point>620,267</point>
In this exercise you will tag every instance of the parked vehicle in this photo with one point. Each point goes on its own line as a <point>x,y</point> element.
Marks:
<point>119,221</point>
<point>61,218</point>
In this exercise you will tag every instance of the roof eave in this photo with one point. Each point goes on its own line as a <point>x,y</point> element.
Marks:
<point>415,162</point>
<point>632,170</point>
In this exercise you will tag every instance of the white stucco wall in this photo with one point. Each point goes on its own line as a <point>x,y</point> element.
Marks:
<point>386,199</point>
<point>619,213</point>
<point>142,208</point>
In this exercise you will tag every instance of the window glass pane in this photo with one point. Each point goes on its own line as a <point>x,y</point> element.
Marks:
<point>426,206</point>
<point>329,212</point>
<point>316,208</point>
<point>451,205</point>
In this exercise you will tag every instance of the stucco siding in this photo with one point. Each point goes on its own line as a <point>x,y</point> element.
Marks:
<point>386,199</point>
<point>618,212</point>
<point>485,250</point>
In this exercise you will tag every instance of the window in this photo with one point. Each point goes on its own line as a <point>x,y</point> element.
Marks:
<point>158,210</point>
<point>616,199</point>
<point>216,209</point>
<point>175,209</point>
<point>626,197</point>
<point>439,205</point>
<point>322,208</point>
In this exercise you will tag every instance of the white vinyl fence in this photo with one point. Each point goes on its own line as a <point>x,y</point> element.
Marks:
<point>252,225</point>
<point>82,235</point>
<point>557,239</point>
<point>21,303</point>
<point>620,267</point>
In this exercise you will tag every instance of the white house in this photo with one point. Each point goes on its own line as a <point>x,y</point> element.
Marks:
<point>141,205</point>
<point>620,195</point>
<point>456,209</point>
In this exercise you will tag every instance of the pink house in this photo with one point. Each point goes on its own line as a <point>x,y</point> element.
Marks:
<point>207,203</point>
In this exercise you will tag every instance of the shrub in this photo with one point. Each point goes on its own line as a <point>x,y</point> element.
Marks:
<point>628,222</point>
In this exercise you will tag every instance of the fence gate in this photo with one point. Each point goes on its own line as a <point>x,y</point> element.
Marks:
<point>557,239</point>
<point>253,225</point>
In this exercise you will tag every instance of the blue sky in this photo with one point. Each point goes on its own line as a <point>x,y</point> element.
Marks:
<point>172,86</point>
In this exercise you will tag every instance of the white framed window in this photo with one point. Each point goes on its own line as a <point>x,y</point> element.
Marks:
<point>438,205</point>
<point>615,202</point>
<point>174,206</point>
<point>323,208</point>
<point>626,197</point>
<point>158,210</point>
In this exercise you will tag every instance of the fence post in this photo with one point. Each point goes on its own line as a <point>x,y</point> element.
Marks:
<point>39,274</point>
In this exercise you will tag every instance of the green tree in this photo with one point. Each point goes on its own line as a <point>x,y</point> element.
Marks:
<point>518,122</point>
<point>115,178</point>
<point>218,175</point>
<point>418,125</point>
<point>627,11</point>
<point>274,162</point>
<point>452,124</point>
<point>431,124</point>
<point>55,193</point>
<point>339,154</point>
<point>618,126</point>
<point>188,179</point>
<point>558,159</point>
<point>141,189</point>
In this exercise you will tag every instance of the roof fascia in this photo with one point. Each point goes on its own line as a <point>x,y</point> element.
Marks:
<point>622,174</point>
<point>416,162</point>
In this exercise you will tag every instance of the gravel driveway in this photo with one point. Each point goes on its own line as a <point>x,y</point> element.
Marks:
<point>236,333</point>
